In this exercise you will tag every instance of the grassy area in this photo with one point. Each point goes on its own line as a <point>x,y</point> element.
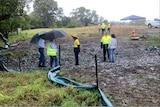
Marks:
<point>34,89</point>
<point>27,34</point>
<point>154,39</point>
<point>85,31</point>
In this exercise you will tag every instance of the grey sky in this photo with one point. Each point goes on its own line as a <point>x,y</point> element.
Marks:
<point>115,9</point>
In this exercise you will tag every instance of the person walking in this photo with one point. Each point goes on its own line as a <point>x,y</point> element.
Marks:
<point>112,46</point>
<point>41,47</point>
<point>52,53</point>
<point>76,46</point>
<point>104,44</point>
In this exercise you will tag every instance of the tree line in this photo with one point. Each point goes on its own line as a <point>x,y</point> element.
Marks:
<point>46,14</point>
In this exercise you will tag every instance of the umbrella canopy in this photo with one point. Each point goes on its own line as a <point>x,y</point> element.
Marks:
<point>133,17</point>
<point>36,37</point>
<point>54,34</point>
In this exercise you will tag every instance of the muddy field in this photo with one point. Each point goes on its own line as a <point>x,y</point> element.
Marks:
<point>133,80</point>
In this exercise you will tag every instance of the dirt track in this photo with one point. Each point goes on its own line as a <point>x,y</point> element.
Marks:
<point>133,80</point>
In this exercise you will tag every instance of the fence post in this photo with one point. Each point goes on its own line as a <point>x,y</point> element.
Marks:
<point>59,54</point>
<point>96,70</point>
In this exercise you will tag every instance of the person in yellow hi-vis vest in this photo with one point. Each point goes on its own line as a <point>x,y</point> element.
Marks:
<point>103,27</point>
<point>109,27</point>
<point>76,46</point>
<point>52,52</point>
<point>104,44</point>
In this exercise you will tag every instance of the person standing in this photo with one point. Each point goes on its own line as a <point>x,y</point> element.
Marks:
<point>112,46</point>
<point>104,44</point>
<point>109,27</point>
<point>76,46</point>
<point>41,47</point>
<point>103,27</point>
<point>52,53</point>
<point>99,27</point>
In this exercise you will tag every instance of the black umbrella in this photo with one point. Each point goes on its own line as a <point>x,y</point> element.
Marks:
<point>36,37</point>
<point>54,34</point>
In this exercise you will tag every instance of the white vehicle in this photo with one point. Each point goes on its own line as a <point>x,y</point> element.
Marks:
<point>153,23</point>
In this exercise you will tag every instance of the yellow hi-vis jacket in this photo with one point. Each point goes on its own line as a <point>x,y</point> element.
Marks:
<point>51,51</point>
<point>109,25</point>
<point>103,25</point>
<point>106,39</point>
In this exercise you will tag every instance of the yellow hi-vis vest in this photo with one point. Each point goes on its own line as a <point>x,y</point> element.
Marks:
<point>106,39</point>
<point>103,26</point>
<point>109,25</point>
<point>51,51</point>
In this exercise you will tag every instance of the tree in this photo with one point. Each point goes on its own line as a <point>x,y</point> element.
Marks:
<point>74,23</point>
<point>84,15</point>
<point>65,20</point>
<point>8,9</point>
<point>48,11</point>
<point>35,21</point>
<point>94,17</point>
<point>11,8</point>
<point>101,19</point>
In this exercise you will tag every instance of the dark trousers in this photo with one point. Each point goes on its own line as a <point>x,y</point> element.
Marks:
<point>42,57</point>
<point>76,58</point>
<point>109,29</point>
<point>105,51</point>
<point>53,59</point>
<point>103,31</point>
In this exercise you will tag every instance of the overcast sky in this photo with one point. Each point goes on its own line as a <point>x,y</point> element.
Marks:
<point>114,10</point>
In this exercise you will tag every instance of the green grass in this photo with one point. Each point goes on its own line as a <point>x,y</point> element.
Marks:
<point>34,89</point>
<point>154,39</point>
<point>28,34</point>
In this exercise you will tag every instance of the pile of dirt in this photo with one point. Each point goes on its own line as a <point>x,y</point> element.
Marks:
<point>133,80</point>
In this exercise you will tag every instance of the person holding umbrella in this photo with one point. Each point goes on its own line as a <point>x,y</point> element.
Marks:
<point>52,52</point>
<point>41,47</point>
<point>76,46</point>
